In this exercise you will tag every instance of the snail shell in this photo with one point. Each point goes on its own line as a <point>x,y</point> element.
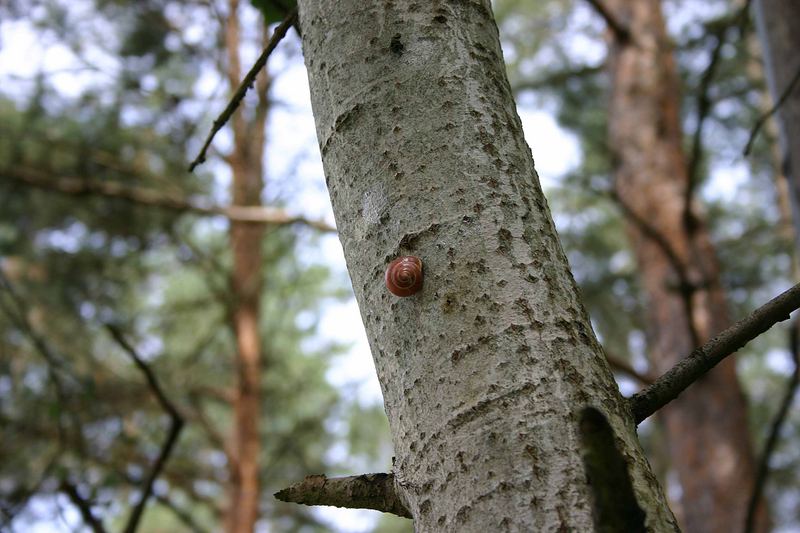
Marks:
<point>404,276</point>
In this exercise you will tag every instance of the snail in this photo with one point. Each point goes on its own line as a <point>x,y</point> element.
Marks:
<point>404,276</point>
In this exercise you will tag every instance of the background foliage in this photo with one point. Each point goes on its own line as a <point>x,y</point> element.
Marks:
<point>131,105</point>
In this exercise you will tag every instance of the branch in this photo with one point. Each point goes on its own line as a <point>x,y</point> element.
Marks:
<point>556,78</point>
<point>669,385</point>
<point>775,429</point>
<point>686,286</point>
<point>739,20</point>
<point>625,367</point>
<point>17,501</point>
<point>55,363</point>
<point>83,506</point>
<point>81,187</point>
<point>20,320</point>
<point>175,427</point>
<point>182,514</point>
<point>367,491</point>
<point>763,119</point>
<point>152,381</point>
<point>703,110</point>
<point>620,31</point>
<point>214,436</point>
<point>247,82</point>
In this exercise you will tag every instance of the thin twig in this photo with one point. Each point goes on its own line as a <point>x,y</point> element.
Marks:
<point>182,514</point>
<point>18,502</point>
<point>703,110</point>
<point>617,363</point>
<point>176,424</point>
<point>176,479</point>
<point>20,320</point>
<point>247,82</point>
<point>55,363</point>
<point>556,78</point>
<point>621,32</point>
<point>80,187</point>
<point>686,287</point>
<point>84,506</point>
<point>367,491</point>
<point>669,385</point>
<point>152,381</point>
<point>214,436</point>
<point>775,430</point>
<point>704,103</point>
<point>763,119</point>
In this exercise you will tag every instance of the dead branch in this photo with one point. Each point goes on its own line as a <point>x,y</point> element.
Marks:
<point>176,424</point>
<point>669,385</point>
<point>185,516</point>
<point>247,82</point>
<point>12,506</point>
<point>704,106</point>
<point>55,364</point>
<point>686,286</point>
<point>763,119</point>
<point>81,187</point>
<point>556,78</point>
<point>620,31</point>
<point>367,491</point>
<point>739,20</point>
<point>617,363</point>
<point>775,429</point>
<point>83,506</point>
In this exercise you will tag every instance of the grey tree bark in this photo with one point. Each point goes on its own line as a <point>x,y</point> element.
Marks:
<point>503,411</point>
<point>776,21</point>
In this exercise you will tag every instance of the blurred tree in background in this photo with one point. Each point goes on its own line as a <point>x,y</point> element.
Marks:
<point>630,176</point>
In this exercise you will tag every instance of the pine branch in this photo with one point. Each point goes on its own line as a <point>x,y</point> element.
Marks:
<point>739,20</point>
<point>669,385</point>
<point>83,506</point>
<point>686,286</point>
<point>185,516</point>
<point>775,430</point>
<point>247,82</point>
<point>617,363</point>
<point>556,78</point>
<point>55,364</point>
<point>763,119</point>
<point>620,31</point>
<point>83,187</point>
<point>18,501</point>
<point>367,491</point>
<point>704,106</point>
<point>176,424</point>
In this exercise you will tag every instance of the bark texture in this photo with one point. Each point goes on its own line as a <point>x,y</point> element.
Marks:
<point>486,371</point>
<point>709,444</point>
<point>777,21</point>
<point>246,283</point>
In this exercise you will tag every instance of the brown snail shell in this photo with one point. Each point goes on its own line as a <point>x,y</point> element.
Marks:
<point>404,276</point>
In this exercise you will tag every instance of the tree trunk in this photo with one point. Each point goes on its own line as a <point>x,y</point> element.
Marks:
<point>707,425</point>
<point>493,381</point>
<point>776,21</point>
<point>247,169</point>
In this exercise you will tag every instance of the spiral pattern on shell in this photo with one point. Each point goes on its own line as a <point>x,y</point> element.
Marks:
<point>404,276</point>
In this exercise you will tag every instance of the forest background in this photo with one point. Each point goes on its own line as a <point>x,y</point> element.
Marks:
<point>139,314</point>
